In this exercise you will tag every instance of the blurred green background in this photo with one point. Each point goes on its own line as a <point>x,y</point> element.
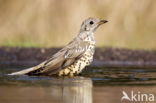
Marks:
<point>53,23</point>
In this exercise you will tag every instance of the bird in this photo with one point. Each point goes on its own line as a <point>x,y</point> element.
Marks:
<point>73,58</point>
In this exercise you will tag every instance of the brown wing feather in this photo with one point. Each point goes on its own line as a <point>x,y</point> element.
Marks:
<point>63,58</point>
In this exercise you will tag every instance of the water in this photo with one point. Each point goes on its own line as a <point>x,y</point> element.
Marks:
<point>95,85</point>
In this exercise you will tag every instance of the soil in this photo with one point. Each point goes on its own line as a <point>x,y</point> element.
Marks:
<point>104,57</point>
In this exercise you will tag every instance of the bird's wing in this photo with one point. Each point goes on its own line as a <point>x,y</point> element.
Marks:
<point>65,57</point>
<point>62,58</point>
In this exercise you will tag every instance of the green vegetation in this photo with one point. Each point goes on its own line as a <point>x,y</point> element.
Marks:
<point>21,44</point>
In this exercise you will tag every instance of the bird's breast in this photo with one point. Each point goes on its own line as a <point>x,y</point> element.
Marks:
<point>79,65</point>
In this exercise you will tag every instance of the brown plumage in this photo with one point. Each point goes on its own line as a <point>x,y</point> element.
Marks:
<point>71,59</point>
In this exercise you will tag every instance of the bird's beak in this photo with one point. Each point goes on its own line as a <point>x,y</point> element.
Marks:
<point>102,22</point>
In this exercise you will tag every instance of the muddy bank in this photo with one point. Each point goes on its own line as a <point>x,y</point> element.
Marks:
<point>107,57</point>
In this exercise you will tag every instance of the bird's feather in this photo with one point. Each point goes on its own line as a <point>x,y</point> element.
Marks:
<point>58,61</point>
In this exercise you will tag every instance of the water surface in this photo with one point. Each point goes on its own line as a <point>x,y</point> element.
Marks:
<point>95,85</point>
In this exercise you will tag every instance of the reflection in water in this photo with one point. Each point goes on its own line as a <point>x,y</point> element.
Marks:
<point>109,83</point>
<point>67,90</point>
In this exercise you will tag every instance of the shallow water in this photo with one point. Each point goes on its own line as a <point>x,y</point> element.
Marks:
<point>95,85</point>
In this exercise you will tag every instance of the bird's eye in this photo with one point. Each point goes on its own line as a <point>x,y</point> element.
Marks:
<point>91,22</point>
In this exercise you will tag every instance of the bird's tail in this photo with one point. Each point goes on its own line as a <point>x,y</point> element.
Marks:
<point>28,70</point>
<point>22,72</point>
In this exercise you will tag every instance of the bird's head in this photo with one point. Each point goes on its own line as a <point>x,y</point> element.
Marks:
<point>91,24</point>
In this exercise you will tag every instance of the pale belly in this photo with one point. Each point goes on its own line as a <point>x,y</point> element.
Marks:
<point>78,65</point>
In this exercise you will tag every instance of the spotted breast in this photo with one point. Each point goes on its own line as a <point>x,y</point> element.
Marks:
<point>80,64</point>
<point>84,60</point>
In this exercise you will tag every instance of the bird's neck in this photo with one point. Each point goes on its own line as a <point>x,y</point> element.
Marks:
<point>87,36</point>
